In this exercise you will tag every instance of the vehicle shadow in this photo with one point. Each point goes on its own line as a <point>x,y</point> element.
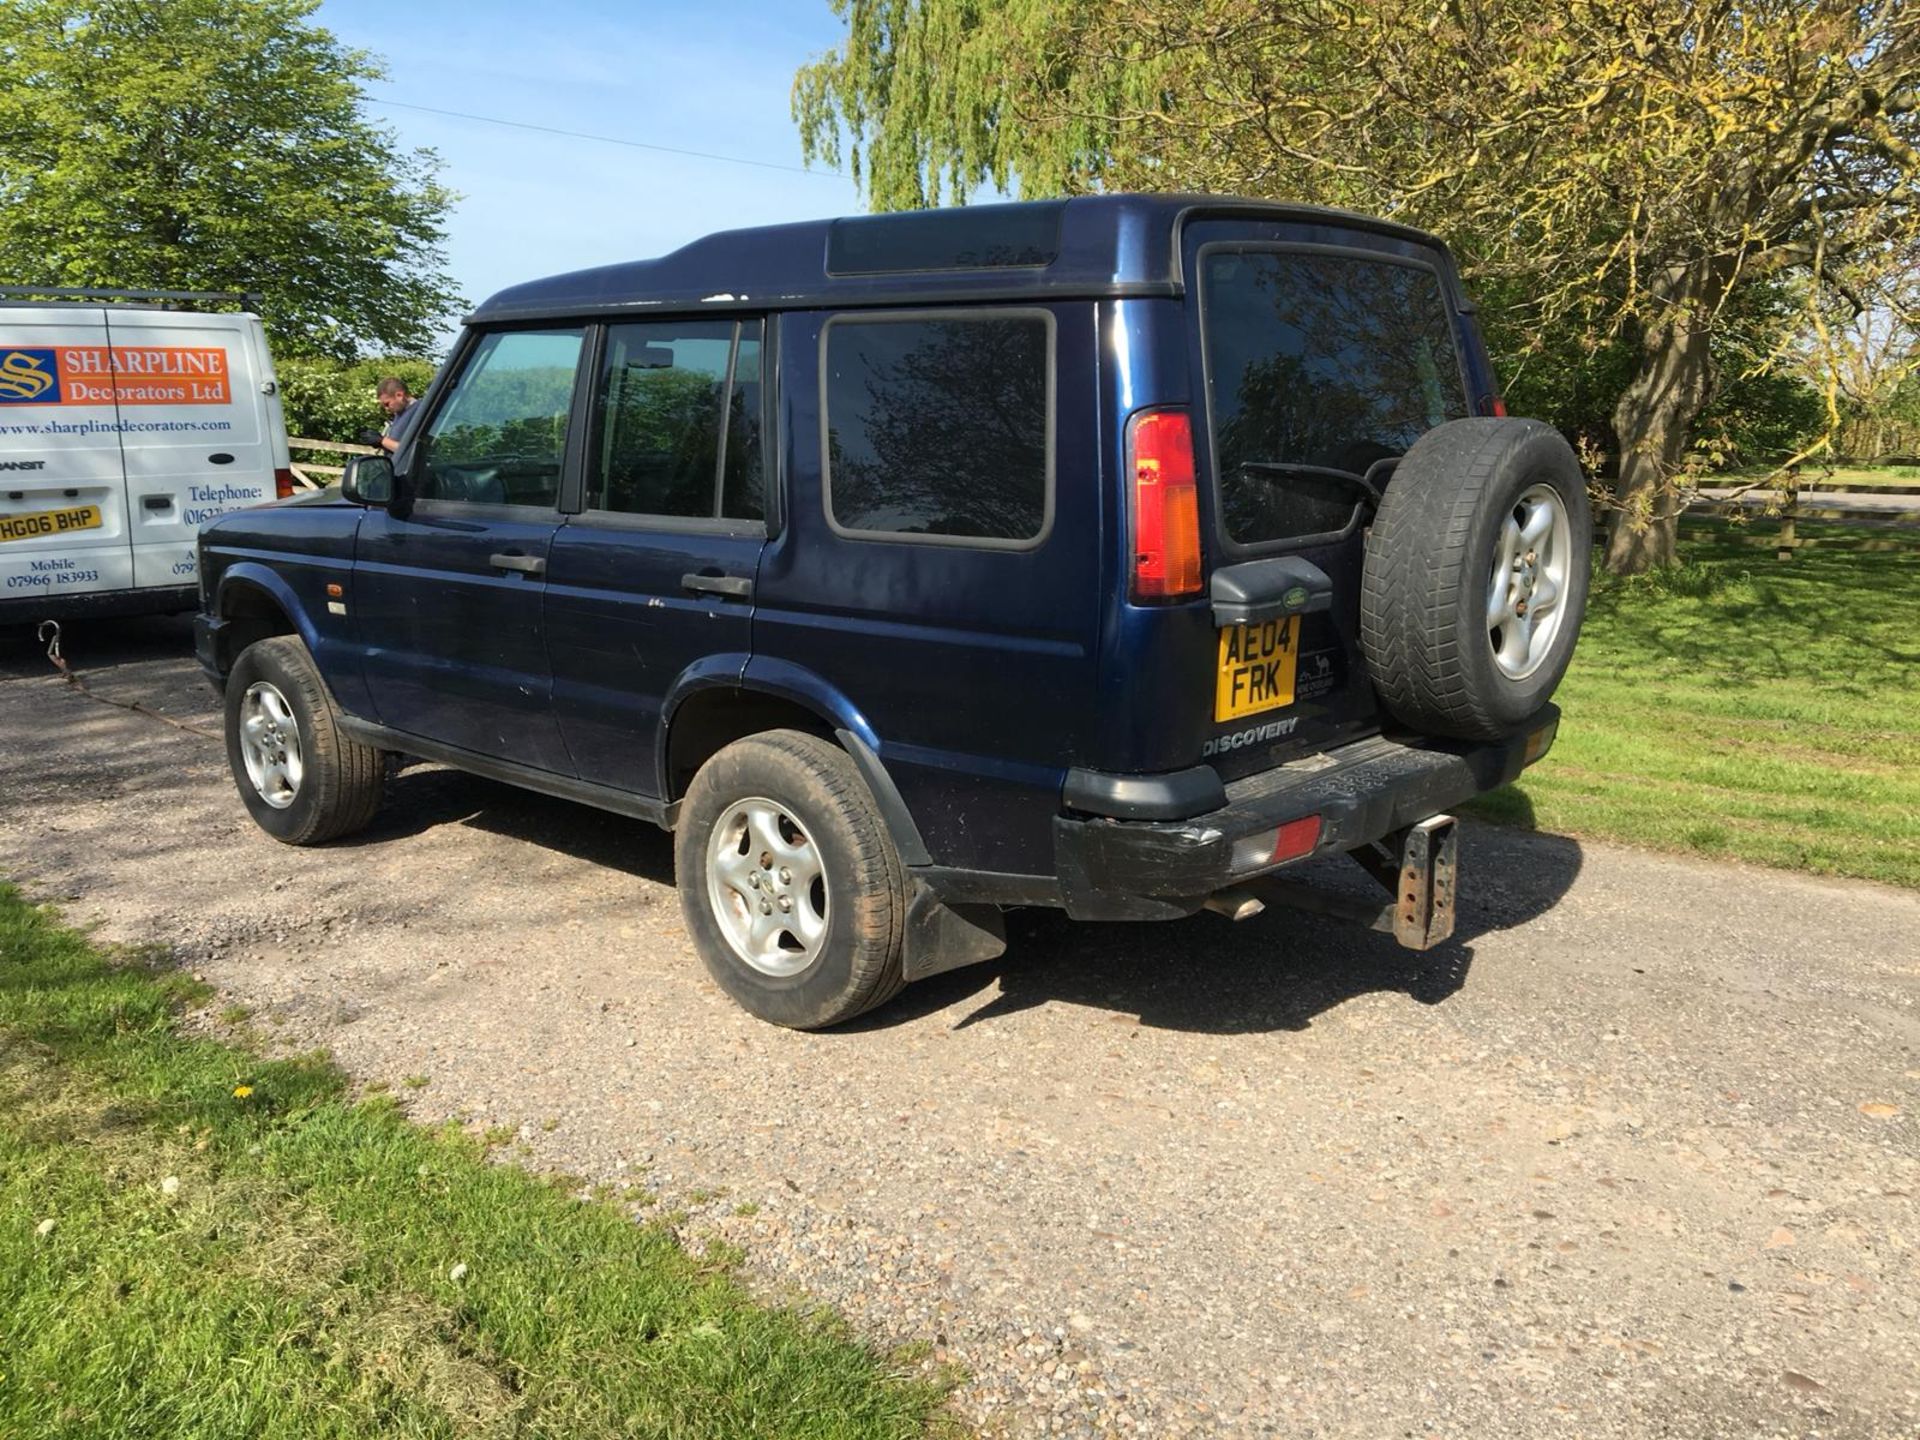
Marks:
<point>1278,971</point>
<point>422,798</point>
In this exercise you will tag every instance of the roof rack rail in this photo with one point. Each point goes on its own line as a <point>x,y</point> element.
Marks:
<point>248,298</point>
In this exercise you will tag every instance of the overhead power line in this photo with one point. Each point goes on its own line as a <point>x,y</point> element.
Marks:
<point>606,139</point>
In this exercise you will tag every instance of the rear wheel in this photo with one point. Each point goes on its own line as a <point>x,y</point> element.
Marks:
<point>302,780</point>
<point>1476,577</point>
<point>792,890</point>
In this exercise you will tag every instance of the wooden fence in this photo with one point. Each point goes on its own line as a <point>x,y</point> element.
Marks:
<point>304,471</point>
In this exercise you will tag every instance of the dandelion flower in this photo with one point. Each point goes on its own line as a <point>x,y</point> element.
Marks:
<point>240,1092</point>
<point>45,1227</point>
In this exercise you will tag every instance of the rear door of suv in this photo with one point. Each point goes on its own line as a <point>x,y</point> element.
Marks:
<point>653,575</point>
<point>1317,353</point>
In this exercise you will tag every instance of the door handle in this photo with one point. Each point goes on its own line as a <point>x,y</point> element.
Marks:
<point>525,564</point>
<point>738,586</point>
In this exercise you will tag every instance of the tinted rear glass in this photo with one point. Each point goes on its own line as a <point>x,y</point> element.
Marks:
<point>939,428</point>
<point>1317,360</point>
<point>974,237</point>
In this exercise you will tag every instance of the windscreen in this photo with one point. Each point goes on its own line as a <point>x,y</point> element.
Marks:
<point>1318,362</point>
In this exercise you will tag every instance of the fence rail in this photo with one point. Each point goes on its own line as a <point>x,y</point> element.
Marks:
<point>305,470</point>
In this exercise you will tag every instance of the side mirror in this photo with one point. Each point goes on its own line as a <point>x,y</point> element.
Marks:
<point>368,480</point>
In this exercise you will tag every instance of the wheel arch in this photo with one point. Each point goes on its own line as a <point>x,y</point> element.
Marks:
<point>709,712</point>
<point>256,604</point>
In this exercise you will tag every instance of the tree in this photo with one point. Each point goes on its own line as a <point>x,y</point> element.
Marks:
<point>327,399</point>
<point>1622,169</point>
<point>216,145</point>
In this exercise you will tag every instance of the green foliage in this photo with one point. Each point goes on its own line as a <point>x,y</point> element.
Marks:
<point>216,145</point>
<point>1754,419</point>
<point>1618,173</point>
<point>336,400</point>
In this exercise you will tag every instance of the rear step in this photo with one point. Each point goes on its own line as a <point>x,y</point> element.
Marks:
<point>1423,885</point>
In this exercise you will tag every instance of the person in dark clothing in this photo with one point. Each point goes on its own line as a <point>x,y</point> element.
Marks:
<point>396,400</point>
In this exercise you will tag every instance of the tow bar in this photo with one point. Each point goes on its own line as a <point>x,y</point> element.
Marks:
<point>1423,884</point>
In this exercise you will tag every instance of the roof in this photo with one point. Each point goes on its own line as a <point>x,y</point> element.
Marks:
<point>1090,245</point>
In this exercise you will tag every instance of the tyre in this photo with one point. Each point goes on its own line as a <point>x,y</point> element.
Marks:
<point>1476,577</point>
<point>792,890</point>
<point>303,781</point>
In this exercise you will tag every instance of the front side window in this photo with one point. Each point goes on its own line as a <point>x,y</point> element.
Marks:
<point>940,428</point>
<point>661,445</point>
<point>501,437</point>
<point>1318,363</point>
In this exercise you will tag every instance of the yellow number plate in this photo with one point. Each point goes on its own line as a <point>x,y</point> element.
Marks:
<point>49,522</point>
<point>1256,668</point>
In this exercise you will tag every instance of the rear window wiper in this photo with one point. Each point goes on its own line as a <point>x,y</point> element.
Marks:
<point>1366,484</point>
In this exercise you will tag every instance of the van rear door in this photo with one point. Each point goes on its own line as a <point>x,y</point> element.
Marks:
<point>63,500</point>
<point>193,428</point>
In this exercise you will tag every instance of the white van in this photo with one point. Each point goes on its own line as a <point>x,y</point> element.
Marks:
<point>125,422</point>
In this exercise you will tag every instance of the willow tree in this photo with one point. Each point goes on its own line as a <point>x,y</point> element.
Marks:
<point>1626,166</point>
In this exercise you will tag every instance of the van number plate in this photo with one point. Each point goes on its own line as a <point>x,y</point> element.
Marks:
<point>1257,665</point>
<point>49,522</point>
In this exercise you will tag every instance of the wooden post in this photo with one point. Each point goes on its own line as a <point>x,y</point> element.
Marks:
<point>1788,542</point>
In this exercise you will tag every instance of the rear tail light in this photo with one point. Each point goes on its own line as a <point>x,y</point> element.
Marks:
<point>282,484</point>
<point>1166,506</point>
<point>1499,407</point>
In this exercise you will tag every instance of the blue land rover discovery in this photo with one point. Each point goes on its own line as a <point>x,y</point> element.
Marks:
<point>1112,554</point>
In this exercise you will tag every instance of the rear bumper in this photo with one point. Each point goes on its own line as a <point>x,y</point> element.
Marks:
<point>97,604</point>
<point>1111,869</point>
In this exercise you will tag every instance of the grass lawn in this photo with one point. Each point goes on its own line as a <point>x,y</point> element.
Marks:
<point>195,1242</point>
<point>1745,707</point>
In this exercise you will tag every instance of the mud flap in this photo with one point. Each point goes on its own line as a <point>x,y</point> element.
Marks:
<point>945,937</point>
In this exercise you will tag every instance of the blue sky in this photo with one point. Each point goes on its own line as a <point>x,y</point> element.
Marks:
<point>713,77</point>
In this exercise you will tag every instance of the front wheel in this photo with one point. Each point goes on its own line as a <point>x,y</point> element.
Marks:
<point>792,890</point>
<point>303,781</point>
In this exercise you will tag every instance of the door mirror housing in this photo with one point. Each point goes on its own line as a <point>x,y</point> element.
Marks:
<point>368,480</point>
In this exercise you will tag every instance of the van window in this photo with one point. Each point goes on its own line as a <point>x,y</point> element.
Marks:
<point>657,421</point>
<point>1316,360</point>
<point>940,428</point>
<point>501,437</point>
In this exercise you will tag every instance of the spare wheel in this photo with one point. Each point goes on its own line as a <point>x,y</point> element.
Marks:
<point>1476,577</point>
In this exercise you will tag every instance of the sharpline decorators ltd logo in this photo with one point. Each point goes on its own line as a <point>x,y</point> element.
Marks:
<point>114,375</point>
<point>26,376</point>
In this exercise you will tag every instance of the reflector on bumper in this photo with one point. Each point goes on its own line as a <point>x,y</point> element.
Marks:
<point>1289,842</point>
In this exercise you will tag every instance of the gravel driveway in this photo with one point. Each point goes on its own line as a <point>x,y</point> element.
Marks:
<point>1637,1155</point>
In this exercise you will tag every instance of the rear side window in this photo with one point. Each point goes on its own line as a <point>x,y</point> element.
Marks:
<point>1317,362</point>
<point>677,422</point>
<point>940,428</point>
